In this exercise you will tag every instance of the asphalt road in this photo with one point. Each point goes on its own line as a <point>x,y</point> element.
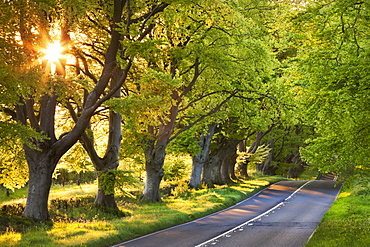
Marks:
<point>284,214</point>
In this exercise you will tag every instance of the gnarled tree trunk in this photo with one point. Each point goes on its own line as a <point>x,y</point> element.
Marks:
<point>201,157</point>
<point>154,160</point>
<point>217,168</point>
<point>41,167</point>
<point>109,161</point>
<point>228,161</point>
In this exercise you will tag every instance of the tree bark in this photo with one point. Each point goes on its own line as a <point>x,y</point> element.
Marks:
<point>201,157</point>
<point>253,148</point>
<point>266,168</point>
<point>110,161</point>
<point>154,160</point>
<point>217,168</point>
<point>207,172</point>
<point>211,169</point>
<point>228,161</point>
<point>155,152</point>
<point>41,167</point>
<point>244,166</point>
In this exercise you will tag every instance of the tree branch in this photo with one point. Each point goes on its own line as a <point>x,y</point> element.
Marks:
<point>214,110</point>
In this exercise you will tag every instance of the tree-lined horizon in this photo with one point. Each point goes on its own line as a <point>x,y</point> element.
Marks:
<point>282,82</point>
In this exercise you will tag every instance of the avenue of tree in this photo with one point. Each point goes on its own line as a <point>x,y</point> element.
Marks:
<point>280,84</point>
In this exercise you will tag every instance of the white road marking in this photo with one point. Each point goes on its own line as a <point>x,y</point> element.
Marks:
<point>214,240</point>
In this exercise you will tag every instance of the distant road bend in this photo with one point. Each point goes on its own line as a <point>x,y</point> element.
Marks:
<point>284,214</point>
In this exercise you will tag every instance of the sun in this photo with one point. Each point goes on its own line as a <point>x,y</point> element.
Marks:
<point>53,52</point>
<point>53,58</point>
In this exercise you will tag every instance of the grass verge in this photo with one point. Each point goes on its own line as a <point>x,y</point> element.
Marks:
<point>84,225</point>
<point>347,223</point>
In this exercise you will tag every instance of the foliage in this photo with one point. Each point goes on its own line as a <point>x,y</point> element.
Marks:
<point>182,190</point>
<point>72,210</point>
<point>176,167</point>
<point>119,180</point>
<point>13,166</point>
<point>331,71</point>
<point>255,158</point>
<point>63,176</point>
<point>75,160</point>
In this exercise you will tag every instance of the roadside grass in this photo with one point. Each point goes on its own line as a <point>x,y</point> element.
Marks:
<point>347,223</point>
<point>76,223</point>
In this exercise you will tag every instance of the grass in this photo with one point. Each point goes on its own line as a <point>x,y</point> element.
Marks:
<point>347,223</point>
<point>79,224</point>
<point>57,191</point>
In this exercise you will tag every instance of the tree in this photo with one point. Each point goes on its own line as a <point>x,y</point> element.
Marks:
<point>13,168</point>
<point>195,55</point>
<point>138,17</point>
<point>332,72</point>
<point>202,154</point>
<point>33,26</point>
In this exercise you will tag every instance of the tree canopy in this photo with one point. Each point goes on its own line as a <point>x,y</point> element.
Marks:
<point>332,72</point>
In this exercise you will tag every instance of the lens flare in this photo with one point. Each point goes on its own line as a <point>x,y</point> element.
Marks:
<point>53,52</point>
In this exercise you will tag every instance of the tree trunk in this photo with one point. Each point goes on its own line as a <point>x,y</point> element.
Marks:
<point>228,161</point>
<point>41,167</point>
<point>154,175</point>
<point>200,159</point>
<point>106,198</point>
<point>216,170</point>
<point>196,171</point>
<point>253,148</point>
<point>244,166</point>
<point>225,177</point>
<point>212,168</point>
<point>207,172</point>
<point>155,153</point>
<point>266,168</point>
<point>110,161</point>
<point>244,170</point>
<point>215,164</point>
<point>154,160</point>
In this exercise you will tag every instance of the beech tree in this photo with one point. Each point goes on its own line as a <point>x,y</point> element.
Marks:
<point>198,52</point>
<point>13,168</point>
<point>32,29</point>
<point>138,17</point>
<point>332,71</point>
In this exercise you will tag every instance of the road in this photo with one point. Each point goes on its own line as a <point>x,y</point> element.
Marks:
<point>284,214</point>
